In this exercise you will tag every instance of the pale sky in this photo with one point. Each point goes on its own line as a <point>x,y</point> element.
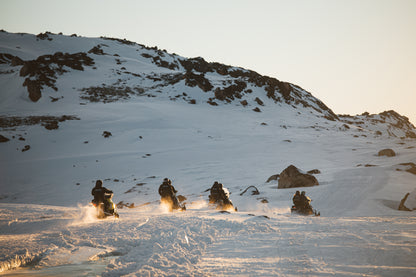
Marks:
<point>354,55</point>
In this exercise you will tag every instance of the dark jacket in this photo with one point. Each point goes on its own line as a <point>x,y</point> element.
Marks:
<point>99,192</point>
<point>166,189</point>
<point>297,200</point>
<point>304,202</point>
<point>217,194</point>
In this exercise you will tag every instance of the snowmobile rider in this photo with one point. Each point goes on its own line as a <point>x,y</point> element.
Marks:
<point>305,201</point>
<point>166,190</point>
<point>217,194</point>
<point>99,191</point>
<point>297,199</point>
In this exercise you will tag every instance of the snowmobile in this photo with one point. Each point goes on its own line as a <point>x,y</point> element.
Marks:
<point>106,208</point>
<point>308,210</point>
<point>221,202</point>
<point>172,202</point>
<point>222,205</point>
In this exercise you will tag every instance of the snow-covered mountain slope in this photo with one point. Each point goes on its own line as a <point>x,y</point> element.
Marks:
<point>166,120</point>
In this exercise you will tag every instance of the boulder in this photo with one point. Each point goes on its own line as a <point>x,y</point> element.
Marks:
<point>291,177</point>
<point>387,152</point>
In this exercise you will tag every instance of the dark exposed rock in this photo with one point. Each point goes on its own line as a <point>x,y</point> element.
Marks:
<point>34,89</point>
<point>409,167</point>
<point>273,178</point>
<point>259,101</point>
<point>252,189</point>
<point>3,139</point>
<point>42,71</point>
<point>26,148</point>
<point>123,41</point>
<point>51,125</point>
<point>13,121</point>
<point>162,63</point>
<point>107,134</point>
<point>257,109</point>
<point>212,103</point>
<point>193,80</point>
<point>198,64</point>
<point>314,171</point>
<point>97,50</point>
<point>44,36</point>
<point>231,92</point>
<point>387,152</point>
<point>108,94</point>
<point>402,206</point>
<point>291,177</point>
<point>10,59</point>
<point>244,103</point>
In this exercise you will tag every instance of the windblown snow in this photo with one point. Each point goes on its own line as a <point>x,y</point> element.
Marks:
<point>166,121</point>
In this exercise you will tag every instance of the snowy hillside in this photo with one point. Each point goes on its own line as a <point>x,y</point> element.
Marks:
<point>193,122</point>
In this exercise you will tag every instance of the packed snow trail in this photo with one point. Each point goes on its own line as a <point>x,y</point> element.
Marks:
<point>203,242</point>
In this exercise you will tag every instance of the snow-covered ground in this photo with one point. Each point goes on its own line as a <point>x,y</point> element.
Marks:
<point>47,227</point>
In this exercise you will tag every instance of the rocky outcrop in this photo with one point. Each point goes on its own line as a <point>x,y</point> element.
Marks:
<point>291,177</point>
<point>193,80</point>
<point>44,70</point>
<point>231,92</point>
<point>49,122</point>
<point>388,123</point>
<point>387,152</point>
<point>10,59</point>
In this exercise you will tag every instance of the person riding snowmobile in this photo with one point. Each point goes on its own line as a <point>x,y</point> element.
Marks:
<point>297,199</point>
<point>102,197</point>
<point>219,197</point>
<point>168,195</point>
<point>302,204</point>
<point>305,202</point>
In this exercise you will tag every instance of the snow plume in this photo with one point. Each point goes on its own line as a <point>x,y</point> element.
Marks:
<point>165,206</point>
<point>87,214</point>
<point>198,204</point>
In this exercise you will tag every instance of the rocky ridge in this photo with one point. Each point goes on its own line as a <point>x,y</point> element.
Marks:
<point>131,70</point>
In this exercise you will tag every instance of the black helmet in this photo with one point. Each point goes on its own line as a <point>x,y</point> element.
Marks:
<point>98,183</point>
<point>297,192</point>
<point>167,181</point>
<point>215,183</point>
<point>303,192</point>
